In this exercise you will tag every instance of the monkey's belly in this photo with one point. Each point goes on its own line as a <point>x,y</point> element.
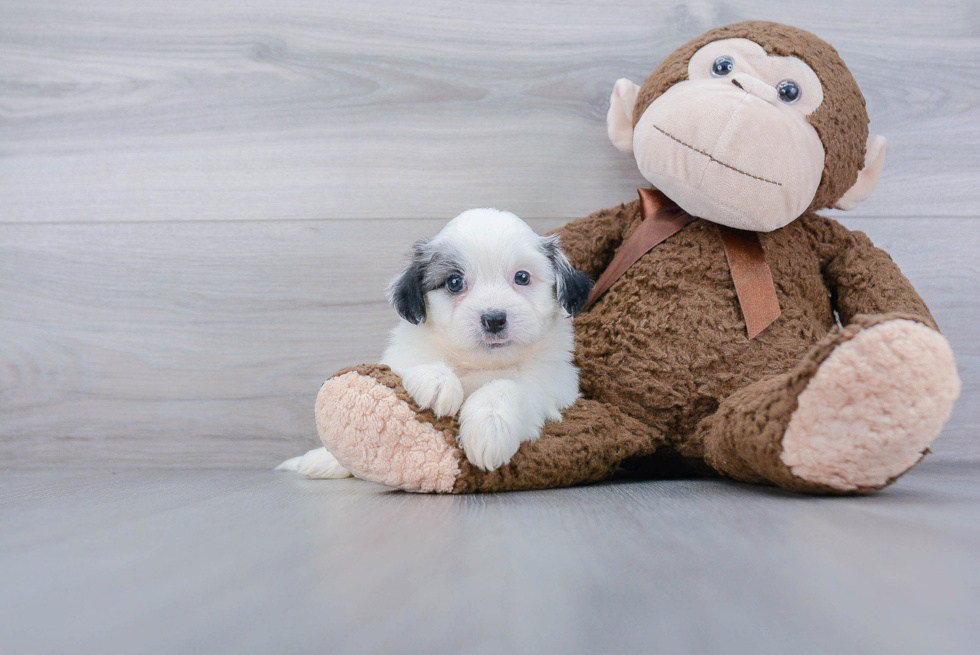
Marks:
<point>668,341</point>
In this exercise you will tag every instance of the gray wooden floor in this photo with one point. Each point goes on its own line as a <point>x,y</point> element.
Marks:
<point>200,205</point>
<point>258,562</point>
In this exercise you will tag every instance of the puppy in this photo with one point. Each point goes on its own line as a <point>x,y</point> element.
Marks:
<point>487,331</point>
<point>487,310</point>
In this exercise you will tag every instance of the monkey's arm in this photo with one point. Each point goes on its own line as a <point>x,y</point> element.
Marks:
<point>862,278</point>
<point>590,242</point>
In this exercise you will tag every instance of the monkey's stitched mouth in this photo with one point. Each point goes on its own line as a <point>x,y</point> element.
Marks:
<point>717,161</point>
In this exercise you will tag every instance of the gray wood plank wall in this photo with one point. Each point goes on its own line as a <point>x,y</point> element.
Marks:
<point>200,203</point>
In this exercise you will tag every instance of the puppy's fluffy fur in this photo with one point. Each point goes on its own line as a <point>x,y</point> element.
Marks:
<point>498,349</point>
<point>487,332</point>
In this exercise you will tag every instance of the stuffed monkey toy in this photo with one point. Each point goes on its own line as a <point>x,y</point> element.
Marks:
<point>757,340</point>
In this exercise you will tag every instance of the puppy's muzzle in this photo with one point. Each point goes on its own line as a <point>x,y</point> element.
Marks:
<point>494,322</point>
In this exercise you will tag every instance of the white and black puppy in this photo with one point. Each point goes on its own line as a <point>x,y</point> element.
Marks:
<point>487,310</point>
<point>487,331</point>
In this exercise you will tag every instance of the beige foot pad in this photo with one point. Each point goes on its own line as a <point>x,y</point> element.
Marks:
<point>872,408</point>
<point>378,437</point>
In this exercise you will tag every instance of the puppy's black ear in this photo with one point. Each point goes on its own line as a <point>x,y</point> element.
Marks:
<point>407,292</point>
<point>572,285</point>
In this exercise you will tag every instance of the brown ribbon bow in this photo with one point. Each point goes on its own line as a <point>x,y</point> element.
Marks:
<point>746,259</point>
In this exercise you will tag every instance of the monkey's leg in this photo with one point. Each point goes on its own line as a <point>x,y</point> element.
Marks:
<point>859,411</point>
<point>369,423</point>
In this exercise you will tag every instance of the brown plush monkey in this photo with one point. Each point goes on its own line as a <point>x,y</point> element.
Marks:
<point>751,128</point>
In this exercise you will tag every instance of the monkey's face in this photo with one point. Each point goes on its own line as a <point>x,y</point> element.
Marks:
<point>732,142</point>
<point>739,121</point>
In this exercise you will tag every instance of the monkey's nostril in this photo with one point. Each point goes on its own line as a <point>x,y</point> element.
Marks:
<point>735,82</point>
<point>494,322</point>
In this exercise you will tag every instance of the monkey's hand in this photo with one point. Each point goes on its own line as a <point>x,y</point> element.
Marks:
<point>435,387</point>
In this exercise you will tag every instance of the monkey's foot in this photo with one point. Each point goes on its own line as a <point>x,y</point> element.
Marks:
<point>872,408</point>
<point>372,426</point>
<point>368,421</point>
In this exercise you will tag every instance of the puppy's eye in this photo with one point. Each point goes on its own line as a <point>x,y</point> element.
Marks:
<point>722,66</point>
<point>789,91</point>
<point>455,283</point>
<point>522,278</point>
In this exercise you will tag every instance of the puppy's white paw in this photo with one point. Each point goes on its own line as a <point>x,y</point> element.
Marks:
<point>435,387</point>
<point>318,464</point>
<point>494,422</point>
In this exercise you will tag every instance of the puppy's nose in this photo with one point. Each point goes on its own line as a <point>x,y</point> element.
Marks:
<point>494,322</point>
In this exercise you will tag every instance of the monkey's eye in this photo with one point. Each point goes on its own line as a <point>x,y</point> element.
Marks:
<point>722,66</point>
<point>522,278</point>
<point>788,91</point>
<point>455,283</point>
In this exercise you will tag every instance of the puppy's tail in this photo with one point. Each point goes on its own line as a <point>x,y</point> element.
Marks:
<point>318,464</point>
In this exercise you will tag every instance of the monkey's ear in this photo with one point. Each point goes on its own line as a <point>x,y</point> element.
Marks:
<point>874,159</point>
<point>619,118</point>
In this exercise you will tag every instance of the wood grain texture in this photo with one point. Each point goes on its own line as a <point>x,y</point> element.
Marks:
<point>186,344</point>
<point>154,110</point>
<point>200,206</point>
<point>165,302</point>
<point>258,562</point>
<point>203,344</point>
